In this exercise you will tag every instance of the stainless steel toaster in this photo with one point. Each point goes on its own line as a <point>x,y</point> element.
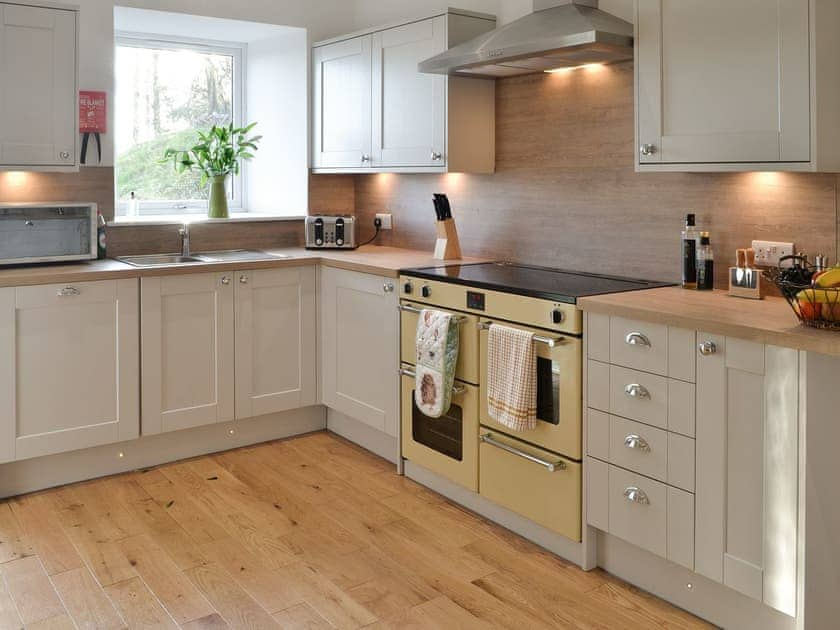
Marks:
<point>329,232</point>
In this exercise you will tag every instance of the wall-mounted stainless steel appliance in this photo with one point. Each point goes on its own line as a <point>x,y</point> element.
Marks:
<point>47,232</point>
<point>537,473</point>
<point>329,232</point>
<point>558,34</point>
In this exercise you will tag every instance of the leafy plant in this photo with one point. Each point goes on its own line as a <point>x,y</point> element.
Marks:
<point>218,152</point>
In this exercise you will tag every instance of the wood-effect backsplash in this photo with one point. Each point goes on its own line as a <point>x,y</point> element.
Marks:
<point>565,192</point>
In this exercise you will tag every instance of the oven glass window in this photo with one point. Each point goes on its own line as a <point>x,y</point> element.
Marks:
<point>444,434</point>
<point>548,391</point>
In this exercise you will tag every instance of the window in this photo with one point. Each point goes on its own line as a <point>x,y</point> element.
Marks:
<point>166,89</point>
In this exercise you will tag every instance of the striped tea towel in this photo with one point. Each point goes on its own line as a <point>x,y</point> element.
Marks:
<point>437,344</point>
<point>512,377</point>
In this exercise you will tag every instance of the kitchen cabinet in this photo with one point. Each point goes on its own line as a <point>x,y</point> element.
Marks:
<point>737,86</point>
<point>748,468</point>
<point>275,340</point>
<point>360,347</point>
<point>38,102</point>
<point>373,111</point>
<point>69,374</point>
<point>187,337</point>
<point>698,462</point>
<point>224,346</point>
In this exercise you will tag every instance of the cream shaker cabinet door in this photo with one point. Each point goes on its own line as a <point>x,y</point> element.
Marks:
<point>360,347</point>
<point>38,100</point>
<point>187,337</point>
<point>409,107</point>
<point>723,82</point>
<point>341,101</point>
<point>747,468</point>
<point>275,340</point>
<point>69,367</point>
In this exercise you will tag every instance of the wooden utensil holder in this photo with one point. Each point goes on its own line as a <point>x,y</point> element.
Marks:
<point>447,247</point>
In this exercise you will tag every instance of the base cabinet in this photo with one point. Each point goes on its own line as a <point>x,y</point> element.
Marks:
<point>69,367</point>
<point>360,347</point>
<point>224,346</point>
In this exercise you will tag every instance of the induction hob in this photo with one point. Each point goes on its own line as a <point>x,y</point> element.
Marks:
<point>558,285</point>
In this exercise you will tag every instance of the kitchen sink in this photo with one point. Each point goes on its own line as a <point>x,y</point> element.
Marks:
<point>231,255</point>
<point>158,260</point>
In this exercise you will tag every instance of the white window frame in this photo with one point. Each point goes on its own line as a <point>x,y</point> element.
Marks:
<point>237,184</point>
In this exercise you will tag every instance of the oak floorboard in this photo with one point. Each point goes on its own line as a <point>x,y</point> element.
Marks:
<point>309,532</point>
<point>138,605</point>
<point>86,602</point>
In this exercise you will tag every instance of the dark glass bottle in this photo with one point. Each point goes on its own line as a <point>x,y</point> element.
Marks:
<point>690,238</point>
<point>705,264</point>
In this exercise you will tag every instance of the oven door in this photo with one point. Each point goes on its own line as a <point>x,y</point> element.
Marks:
<point>448,445</point>
<point>559,394</point>
<point>467,367</point>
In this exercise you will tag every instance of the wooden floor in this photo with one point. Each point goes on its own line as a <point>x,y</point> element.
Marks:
<point>311,532</point>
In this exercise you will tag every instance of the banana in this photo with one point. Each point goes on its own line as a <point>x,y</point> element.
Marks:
<point>828,279</point>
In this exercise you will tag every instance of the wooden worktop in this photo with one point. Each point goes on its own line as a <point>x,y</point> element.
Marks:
<point>769,321</point>
<point>374,259</point>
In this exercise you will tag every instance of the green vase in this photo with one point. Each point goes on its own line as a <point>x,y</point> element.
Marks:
<point>218,206</point>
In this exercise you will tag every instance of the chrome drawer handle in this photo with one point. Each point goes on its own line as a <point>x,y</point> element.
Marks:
<point>634,390</point>
<point>637,339</point>
<point>637,442</point>
<point>707,348</point>
<point>487,438</point>
<point>436,156</point>
<point>457,390</point>
<point>69,292</point>
<point>636,495</point>
<point>243,279</point>
<point>225,280</point>
<point>647,149</point>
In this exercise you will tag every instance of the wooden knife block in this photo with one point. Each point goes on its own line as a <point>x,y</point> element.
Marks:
<point>447,246</point>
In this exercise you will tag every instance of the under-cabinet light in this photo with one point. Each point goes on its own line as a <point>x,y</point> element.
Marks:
<point>585,66</point>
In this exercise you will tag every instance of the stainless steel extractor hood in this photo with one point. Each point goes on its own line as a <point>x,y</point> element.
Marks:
<point>558,34</point>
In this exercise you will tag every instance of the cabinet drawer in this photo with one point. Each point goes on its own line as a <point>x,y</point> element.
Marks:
<point>662,402</point>
<point>652,348</point>
<point>639,447</point>
<point>467,367</point>
<point>47,295</point>
<point>552,499</point>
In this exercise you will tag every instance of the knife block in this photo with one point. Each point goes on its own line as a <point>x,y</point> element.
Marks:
<point>447,247</point>
<point>746,287</point>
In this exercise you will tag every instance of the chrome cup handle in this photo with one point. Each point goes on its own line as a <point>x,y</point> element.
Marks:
<point>637,442</point>
<point>636,495</point>
<point>634,390</point>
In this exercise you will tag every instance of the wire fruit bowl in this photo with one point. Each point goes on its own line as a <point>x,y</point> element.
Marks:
<point>815,306</point>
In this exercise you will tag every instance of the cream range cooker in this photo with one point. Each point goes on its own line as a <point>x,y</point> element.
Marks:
<point>537,473</point>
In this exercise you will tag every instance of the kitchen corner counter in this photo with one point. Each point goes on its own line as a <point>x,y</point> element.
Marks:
<point>770,321</point>
<point>373,259</point>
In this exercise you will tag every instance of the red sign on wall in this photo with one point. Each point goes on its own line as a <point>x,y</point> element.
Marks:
<point>93,113</point>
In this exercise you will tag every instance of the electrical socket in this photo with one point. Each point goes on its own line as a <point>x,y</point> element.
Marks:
<point>768,253</point>
<point>386,220</point>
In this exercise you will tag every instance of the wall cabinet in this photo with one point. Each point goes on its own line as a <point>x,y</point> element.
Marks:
<point>38,102</point>
<point>374,111</point>
<point>360,347</point>
<point>737,86</point>
<point>697,462</point>
<point>69,367</point>
<point>226,345</point>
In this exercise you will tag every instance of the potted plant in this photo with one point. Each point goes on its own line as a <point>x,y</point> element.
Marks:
<point>216,155</point>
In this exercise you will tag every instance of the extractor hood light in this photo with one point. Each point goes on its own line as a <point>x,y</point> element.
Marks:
<point>585,66</point>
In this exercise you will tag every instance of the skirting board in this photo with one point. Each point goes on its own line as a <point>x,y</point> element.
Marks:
<point>386,446</point>
<point>555,543</point>
<point>57,470</point>
<point>714,602</point>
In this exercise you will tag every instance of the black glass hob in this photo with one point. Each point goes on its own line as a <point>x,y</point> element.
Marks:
<point>558,285</point>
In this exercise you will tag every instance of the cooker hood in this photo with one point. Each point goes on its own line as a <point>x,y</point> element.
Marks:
<point>558,34</point>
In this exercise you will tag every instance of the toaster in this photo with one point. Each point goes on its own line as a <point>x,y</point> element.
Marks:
<point>330,232</point>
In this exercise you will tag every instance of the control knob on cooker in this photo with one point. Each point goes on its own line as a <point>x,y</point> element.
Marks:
<point>408,288</point>
<point>426,291</point>
<point>557,316</point>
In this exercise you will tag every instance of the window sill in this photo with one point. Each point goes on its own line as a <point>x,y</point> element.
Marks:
<point>178,219</point>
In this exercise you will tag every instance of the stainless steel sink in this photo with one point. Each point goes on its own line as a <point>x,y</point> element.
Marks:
<point>160,260</point>
<point>239,255</point>
<point>231,255</point>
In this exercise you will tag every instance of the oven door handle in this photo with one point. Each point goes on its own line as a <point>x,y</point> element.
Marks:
<point>549,341</point>
<point>407,308</point>
<point>457,390</point>
<point>487,438</point>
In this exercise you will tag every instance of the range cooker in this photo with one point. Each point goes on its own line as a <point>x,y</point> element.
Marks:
<point>536,473</point>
